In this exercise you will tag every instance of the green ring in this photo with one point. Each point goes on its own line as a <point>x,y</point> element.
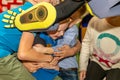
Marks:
<point>117,41</point>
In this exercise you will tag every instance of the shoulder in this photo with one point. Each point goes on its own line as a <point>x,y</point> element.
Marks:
<point>95,21</point>
<point>73,28</point>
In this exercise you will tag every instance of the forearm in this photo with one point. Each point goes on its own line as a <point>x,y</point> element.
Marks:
<point>27,52</point>
<point>45,50</point>
<point>77,47</point>
<point>33,55</point>
<point>49,50</point>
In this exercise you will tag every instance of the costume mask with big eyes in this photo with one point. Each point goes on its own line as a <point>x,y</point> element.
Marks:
<point>38,17</point>
<point>40,21</point>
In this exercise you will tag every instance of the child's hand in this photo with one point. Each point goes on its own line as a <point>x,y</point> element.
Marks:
<point>64,51</point>
<point>82,75</point>
<point>50,66</point>
<point>39,48</point>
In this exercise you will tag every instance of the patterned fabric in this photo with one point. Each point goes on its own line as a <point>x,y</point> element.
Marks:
<point>101,44</point>
<point>7,36</point>
<point>8,4</point>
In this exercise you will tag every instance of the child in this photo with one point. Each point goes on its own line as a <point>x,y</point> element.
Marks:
<point>55,39</point>
<point>100,53</point>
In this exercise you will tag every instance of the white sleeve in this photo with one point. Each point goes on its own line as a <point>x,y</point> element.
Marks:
<point>85,49</point>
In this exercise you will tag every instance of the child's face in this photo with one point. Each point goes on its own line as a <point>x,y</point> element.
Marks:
<point>59,32</point>
<point>56,34</point>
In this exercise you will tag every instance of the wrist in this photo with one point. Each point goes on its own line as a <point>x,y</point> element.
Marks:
<point>49,51</point>
<point>52,57</point>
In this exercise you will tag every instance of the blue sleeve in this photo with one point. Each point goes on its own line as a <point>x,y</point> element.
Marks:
<point>69,38</point>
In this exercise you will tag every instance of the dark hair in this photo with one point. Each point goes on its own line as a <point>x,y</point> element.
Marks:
<point>39,40</point>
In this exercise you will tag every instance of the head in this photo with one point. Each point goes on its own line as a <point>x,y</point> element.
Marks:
<point>59,32</point>
<point>37,17</point>
<point>105,8</point>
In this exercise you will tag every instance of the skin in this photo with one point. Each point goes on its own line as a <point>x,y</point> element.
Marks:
<point>55,35</point>
<point>64,50</point>
<point>33,59</point>
<point>27,54</point>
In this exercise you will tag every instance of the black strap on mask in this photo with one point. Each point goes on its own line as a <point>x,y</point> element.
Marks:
<point>66,8</point>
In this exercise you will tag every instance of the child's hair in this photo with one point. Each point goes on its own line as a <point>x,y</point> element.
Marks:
<point>39,40</point>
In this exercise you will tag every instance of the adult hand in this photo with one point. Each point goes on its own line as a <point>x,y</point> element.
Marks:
<point>82,75</point>
<point>39,48</point>
<point>31,66</point>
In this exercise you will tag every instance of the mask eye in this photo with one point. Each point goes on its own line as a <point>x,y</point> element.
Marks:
<point>41,13</point>
<point>30,16</point>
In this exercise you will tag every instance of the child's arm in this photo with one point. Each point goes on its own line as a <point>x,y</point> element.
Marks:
<point>69,38</point>
<point>66,51</point>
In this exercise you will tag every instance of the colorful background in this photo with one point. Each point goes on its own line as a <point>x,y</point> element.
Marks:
<point>8,4</point>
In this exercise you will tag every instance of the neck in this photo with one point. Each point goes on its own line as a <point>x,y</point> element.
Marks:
<point>114,21</point>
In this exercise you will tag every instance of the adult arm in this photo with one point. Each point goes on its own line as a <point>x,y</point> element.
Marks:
<point>27,52</point>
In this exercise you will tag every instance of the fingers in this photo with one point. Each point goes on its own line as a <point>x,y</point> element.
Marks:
<point>82,75</point>
<point>50,66</point>
<point>9,19</point>
<point>33,70</point>
<point>31,66</point>
<point>54,61</point>
<point>64,47</point>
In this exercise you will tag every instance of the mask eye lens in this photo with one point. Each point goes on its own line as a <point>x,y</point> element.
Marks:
<point>41,13</point>
<point>30,16</point>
